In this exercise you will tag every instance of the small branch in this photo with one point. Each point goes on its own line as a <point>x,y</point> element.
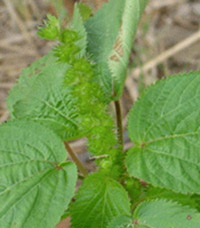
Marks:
<point>166,54</point>
<point>76,160</point>
<point>119,121</point>
<point>98,157</point>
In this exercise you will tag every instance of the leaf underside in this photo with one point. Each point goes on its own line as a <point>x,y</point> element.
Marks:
<point>34,189</point>
<point>165,128</point>
<point>40,95</point>
<point>98,201</point>
<point>110,36</point>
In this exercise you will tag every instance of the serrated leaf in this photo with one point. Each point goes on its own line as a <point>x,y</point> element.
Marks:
<point>78,26</point>
<point>157,214</point>
<point>110,36</point>
<point>51,30</point>
<point>98,201</point>
<point>36,182</point>
<point>165,214</point>
<point>154,193</point>
<point>26,78</point>
<point>40,95</point>
<point>165,127</point>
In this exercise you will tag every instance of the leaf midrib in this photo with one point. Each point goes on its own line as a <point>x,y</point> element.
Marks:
<point>143,144</point>
<point>30,188</point>
<point>169,112</point>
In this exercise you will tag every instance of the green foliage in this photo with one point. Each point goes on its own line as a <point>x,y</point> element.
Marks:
<point>196,198</point>
<point>121,222</point>
<point>135,190</point>
<point>78,26</point>
<point>165,214</point>
<point>72,103</point>
<point>51,30</point>
<point>164,125</point>
<point>98,201</point>
<point>140,191</point>
<point>41,96</point>
<point>157,214</point>
<point>154,193</point>
<point>85,11</point>
<point>91,106</point>
<point>66,95</point>
<point>67,53</point>
<point>37,183</point>
<point>95,121</point>
<point>110,36</point>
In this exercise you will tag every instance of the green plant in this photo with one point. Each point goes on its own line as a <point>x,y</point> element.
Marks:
<point>64,96</point>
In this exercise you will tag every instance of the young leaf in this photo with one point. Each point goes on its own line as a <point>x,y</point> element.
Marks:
<point>165,214</point>
<point>110,36</point>
<point>98,201</point>
<point>44,98</point>
<point>164,125</point>
<point>51,30</point>
<point>37,183</point>
<point>85,11</point>
<point>139,192</point>
<point>196,198</point>
<point>154,193</point>
<point>78,26</point>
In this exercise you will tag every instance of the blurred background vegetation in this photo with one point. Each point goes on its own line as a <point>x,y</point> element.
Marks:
<point>167,42</point>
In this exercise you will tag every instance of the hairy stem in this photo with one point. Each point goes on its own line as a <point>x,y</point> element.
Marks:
<point>119,121</point>
<point>81,167</point>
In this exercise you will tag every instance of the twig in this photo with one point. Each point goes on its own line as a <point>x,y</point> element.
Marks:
<point>98,157</point>
<point>35,8</point>
<point>76,160</point>
<point>119,121</point>
<point>159,59</point>
<point>167,54</point>
<point>78,143</point>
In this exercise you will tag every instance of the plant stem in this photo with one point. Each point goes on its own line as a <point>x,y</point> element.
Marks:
<point>76,160</point>
<point>119,122</point>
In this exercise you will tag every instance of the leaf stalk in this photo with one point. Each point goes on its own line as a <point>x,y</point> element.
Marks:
<point>79,164</point>
<point>119,122</point>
